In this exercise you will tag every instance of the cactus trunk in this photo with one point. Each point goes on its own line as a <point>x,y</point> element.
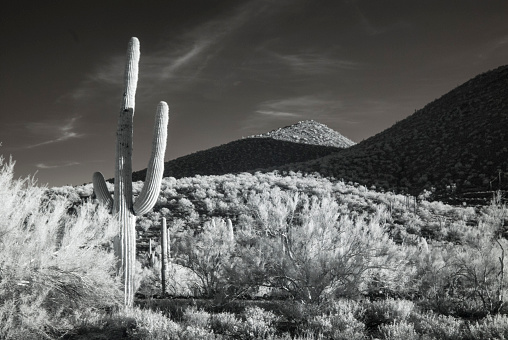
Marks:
<point>123,207</point>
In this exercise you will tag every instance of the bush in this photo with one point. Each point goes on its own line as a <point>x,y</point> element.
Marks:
<point>198,318</point>
<point>306,247</point>
<point>491,327</point>
<point>436,326</point>
<point>208,254</point>
<point>227,324</point>
<point>259,324</point>
<point>401,330</point>
<point>339,320</point>
<point>52,264</point>
<point>386,312</point>
<point>150,325</point>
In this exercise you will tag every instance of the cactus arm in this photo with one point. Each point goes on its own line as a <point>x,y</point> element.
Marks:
<point>151,189</point>
<point>101,190</point>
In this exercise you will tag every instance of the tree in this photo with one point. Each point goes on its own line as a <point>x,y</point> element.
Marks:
<point>208,253</point>
<point>308,249</point>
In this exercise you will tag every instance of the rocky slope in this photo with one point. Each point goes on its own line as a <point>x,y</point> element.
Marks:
<point>309,132</point>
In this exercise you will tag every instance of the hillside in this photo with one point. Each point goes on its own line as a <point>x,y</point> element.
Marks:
<point>309,132</point>
<point>457,146</point>
<point>300,142</point>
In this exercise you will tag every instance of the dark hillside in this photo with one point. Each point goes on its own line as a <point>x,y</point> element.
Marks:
<point>240,156</point>
<point>300,142</point>
<point>457,145</point>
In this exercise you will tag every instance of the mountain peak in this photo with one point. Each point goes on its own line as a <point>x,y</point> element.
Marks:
<point>308,132</point>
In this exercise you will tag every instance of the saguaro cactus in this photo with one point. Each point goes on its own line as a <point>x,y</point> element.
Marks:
<point>122,204</point>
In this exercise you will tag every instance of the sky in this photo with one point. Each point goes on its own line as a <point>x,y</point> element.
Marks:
<point>227,69</point>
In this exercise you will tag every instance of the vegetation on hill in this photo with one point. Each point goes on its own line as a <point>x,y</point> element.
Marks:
<point>456,146</point>
<point>300,142</point>
<point>239,156</point>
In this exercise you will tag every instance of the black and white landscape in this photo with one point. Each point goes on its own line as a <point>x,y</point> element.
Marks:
<point>332,170</point>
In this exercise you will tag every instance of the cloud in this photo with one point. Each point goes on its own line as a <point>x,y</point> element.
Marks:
<point>277,114</point>
<point>364,22</point>
<point>189,52</point>
<point>314,63</point>
<point>317,107</point>
<point>59,132</point>
<point>56,165</point>
<point>493,47</point>
<point>301,106</point>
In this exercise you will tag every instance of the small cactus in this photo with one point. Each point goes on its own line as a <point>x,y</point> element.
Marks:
<point>230,230</point>
<point>122,204</point>
<point>164,255</point>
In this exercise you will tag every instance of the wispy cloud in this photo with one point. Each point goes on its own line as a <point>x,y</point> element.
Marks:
<point>313,105</point>
<point>55,165</point>
<point>278,114</point>
<point>314,63</point>
<point>364,21</point>
<point>189,52</point>
<point>317,107</point>
<point>493,47</point>
<point>58,131</point>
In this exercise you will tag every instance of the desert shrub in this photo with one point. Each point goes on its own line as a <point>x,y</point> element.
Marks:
<point>338,319</point>
<point>386,311</point>
<point>306,247</point>
<point>149,325</point>
<point>198,333</point>
<point>400,330</point>
<point>467,279</point>
<point>131,323</point>
<point>491,327</point>
<point>259,323</point>
<point>227,324</point>
<point>208,255</point>
<point>52,264</point>
<point>435,326</point>
<point>196,317</point>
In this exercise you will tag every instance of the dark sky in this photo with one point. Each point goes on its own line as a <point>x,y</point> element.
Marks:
<point>227,69</point>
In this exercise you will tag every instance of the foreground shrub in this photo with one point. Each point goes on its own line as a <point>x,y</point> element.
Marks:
<point>401,330</point>
<point>208,255</point>
<point>386,312</point>
<point>195,317</point>
<point>132,323</point>
<point>259,323</point>
<point>436,326</point>
<point>52,264</point>
<point>338,326</point>
<point>491,327</point>
<point>227,324</point>
<point>306,247</point>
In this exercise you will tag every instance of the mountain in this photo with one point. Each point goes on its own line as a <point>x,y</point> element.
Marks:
<point>303,141</point>
<point>309,132</point>
<point>456,146</point>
